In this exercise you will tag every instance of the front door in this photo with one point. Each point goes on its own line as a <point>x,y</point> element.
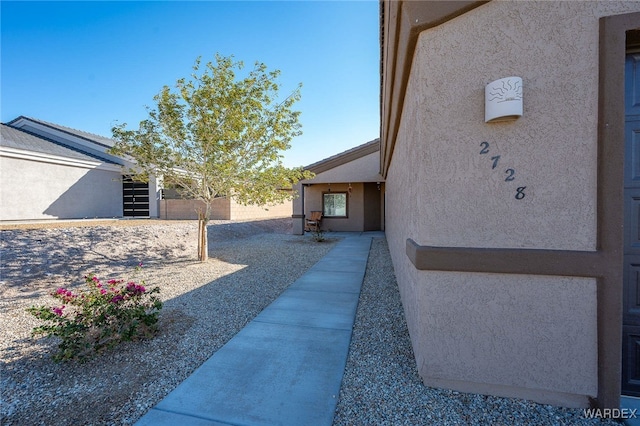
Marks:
<point>631,313</point>
<point>372,213</point>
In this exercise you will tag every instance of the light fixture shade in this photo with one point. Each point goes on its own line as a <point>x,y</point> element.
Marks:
<point>503,100</point>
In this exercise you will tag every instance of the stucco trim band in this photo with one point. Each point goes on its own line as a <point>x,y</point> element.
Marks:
<point>507,261</point>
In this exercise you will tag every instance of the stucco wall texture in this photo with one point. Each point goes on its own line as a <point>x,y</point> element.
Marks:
<point>23,196</point>
<point>512,335</point>
<point>338,179</point>
<point>364,169</point>
<point>355,206</point>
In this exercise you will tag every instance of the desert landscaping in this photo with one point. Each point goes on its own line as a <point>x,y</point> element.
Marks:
<point>205,304</point>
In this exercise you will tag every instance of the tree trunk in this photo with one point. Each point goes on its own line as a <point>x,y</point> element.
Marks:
<point>203,243</point>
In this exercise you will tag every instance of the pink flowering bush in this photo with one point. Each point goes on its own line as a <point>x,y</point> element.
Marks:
<point>99,318</point>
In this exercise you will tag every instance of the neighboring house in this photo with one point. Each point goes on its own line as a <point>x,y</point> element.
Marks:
<point>507,238</point>
<point>49,171</point>
<point>347,189</point>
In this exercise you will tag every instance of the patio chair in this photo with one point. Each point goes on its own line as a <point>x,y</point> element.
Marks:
<point>313,223</point>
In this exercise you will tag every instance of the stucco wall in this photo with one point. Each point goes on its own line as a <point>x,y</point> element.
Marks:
<point>155,194</point>
<point>39,190</point>
<point>337,179</point>
<point>363,169</point>
<point>355,206</point>
<point>515,335</point>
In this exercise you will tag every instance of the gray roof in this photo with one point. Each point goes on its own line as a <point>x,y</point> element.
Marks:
<point>100,140</point>
<point>13,137</point>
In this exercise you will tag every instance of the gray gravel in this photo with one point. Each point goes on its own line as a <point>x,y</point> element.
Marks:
<point>381,385</point>
<point>206,305</point>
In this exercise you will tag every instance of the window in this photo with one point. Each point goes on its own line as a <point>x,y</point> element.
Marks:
<point>334,204</point>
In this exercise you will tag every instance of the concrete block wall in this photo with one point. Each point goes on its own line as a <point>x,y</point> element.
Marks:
<point>249,212</point>
<point>221,209</point>
<point>177,209</point>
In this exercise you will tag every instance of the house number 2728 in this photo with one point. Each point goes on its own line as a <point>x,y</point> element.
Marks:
<point>510,172</point>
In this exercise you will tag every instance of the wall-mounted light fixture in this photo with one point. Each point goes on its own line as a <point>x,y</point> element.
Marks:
<point>503,100</point>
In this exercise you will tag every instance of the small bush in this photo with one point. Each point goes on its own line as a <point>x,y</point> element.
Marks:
<point>318,235</point>
<point>98,318</point>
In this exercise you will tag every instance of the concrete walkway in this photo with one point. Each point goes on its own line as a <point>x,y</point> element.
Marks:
<point>285,367</point>
<point>631,407</point>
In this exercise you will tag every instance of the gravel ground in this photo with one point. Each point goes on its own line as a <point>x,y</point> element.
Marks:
<point>205,305</point>
<point>381,385</point>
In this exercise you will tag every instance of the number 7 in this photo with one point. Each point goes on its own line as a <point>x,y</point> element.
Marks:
<point>495,161</point>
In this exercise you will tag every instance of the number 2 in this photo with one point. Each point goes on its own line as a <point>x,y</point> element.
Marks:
<point>485,147</point>
<point>511,174</point>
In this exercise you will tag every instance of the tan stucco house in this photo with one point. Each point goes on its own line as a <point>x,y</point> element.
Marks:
<point>515,243</point>
<point>347,191</point>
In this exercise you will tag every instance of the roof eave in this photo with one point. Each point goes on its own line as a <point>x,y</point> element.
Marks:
<point>344,157</point>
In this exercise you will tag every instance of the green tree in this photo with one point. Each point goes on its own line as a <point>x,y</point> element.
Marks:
<point>217,134</point>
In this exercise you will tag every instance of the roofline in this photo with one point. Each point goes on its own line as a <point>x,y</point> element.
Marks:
<point>96,157</point>
<point>344,157</point>
<point>401,22</point>
<point>22,154</point>
<point>62,129</point>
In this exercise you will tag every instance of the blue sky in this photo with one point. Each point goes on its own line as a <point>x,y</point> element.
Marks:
<point>89,65</point>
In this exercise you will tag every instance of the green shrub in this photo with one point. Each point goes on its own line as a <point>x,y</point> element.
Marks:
<point>98,318</point>
<point>318,235</point>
